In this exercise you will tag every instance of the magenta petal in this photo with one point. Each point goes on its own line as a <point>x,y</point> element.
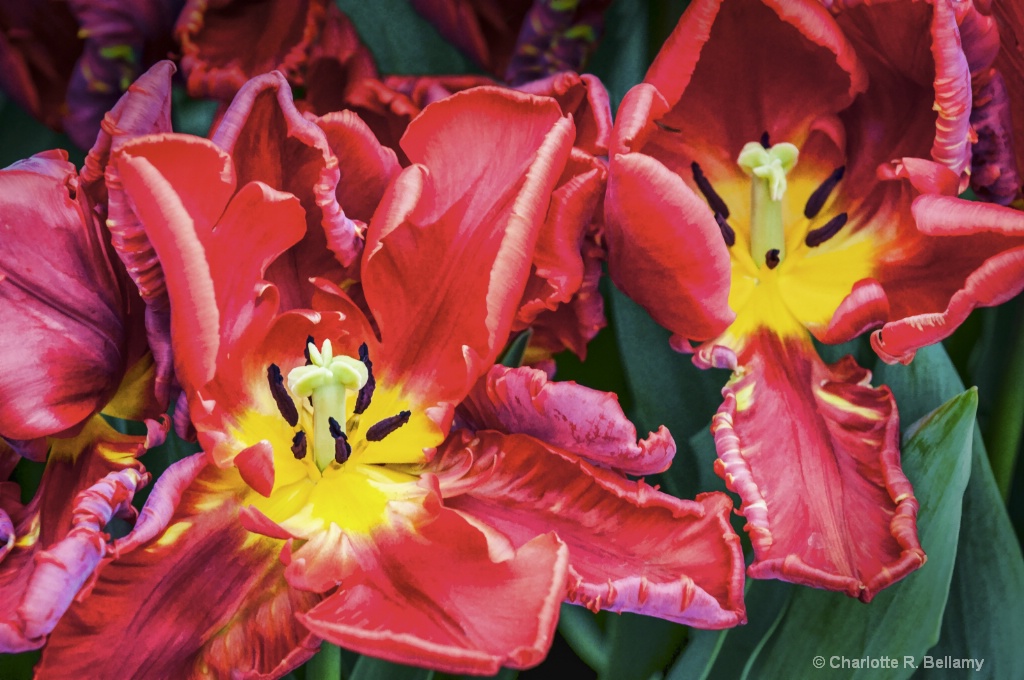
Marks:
<point>586,422</point>
<point>813,451</point>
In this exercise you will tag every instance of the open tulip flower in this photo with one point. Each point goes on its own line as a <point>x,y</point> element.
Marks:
<point>376,481</point>
<point>812,197</point>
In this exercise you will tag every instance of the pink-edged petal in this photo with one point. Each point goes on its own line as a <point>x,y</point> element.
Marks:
<point>59,539</point>
<point>271,142</point>
<point>63,338</point>
<point>449,250</point>
<point>439,598</point>
<point>966,255</point>
<point>813,452</point>
<point>665,250</point>
<point>224,44</point>
<point>631,548</point>
<point>865,308</point>
<point>205,596</point>
<point>571,417</point>
<point>366,165</point>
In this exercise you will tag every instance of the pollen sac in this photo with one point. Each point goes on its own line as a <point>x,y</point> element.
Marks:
<point>818,197</point>
<point>366,391</point>
<point>284,401</point>
<point>305,349</point>
<point>299,445</point>
<point>728,235</point>
<point>771,258</point>
<point>342,449</point>
<point>710,195</point>
<point>815,237</point>
<point>385,427</point>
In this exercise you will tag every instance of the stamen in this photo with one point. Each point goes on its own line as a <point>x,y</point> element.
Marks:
<point>385,427</point>
<point>299,445</point>
<point>366,391</point>
<point>815,237</point>
<point>766,141</point>
<point>817,199</point>
<point>771,258</point>
<point>712,197</point>
<point>727,232</point>
<point>342,449</point>
<point>305,350</point>
<point>284,401</point>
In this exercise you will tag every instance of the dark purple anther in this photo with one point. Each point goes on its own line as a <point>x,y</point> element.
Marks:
<point>366,392</point>
<point>385,427</point>
<point>766,141</point>
<point>284,401</point>
<point>815,237</point>
<point>771,258</point>
<point>817,200</point>
<point>342,449</point>
<point>305,349</point>
<point>727,232</point>
<point>712,197</point>
<point>299,445</point>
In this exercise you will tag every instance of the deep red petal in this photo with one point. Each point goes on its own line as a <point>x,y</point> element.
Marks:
<point>204,597</point>
<point>630,547</point>
<point>813,451</point>
<point>440,599</point>
<point>585,97</point>
<point>62,341</point>
<point>571,417</point>
<point>449,250</point>
<point>224,44</point>
<point>665,250</point>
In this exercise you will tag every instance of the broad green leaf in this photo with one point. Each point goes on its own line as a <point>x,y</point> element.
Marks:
<point>666,389</point>
<point>21,135</point>
<point>985,611</point>
<point>579,628</point>
<point>904,619</point>
<point>325,664</point>
<point>639,646</point>
<point>370,668</point>
<point>403,42</point>
<point>621,58</point>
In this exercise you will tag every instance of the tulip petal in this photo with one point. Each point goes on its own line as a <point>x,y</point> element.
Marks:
<point>63,336</point>
<point>588,423</point>
<point>664,244</point>
<point>630,547</point>
<point>205,597</point>
<point>813,451</point>
<point>438,597</point>
<point>445,311</point>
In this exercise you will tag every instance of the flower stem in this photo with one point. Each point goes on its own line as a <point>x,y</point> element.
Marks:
<point>326,664</point>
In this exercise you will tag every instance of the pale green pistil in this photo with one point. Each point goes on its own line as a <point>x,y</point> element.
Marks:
<point>768,169</point>
<point>327,381</point>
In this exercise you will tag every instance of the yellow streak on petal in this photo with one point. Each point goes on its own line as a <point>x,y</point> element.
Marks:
<point>171,535</point>
<point>848,406</point>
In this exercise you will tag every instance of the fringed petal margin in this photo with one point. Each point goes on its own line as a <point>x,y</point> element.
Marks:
<point>205,598</point>
<point>813,451</point>
<point>585,422</point>
<point>631,548</point>
<point>437,596</point>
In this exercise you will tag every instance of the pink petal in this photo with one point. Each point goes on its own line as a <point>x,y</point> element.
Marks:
<point>813,451</point>
<point>571,417</point>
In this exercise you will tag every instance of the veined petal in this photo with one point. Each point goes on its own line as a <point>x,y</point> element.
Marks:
<point>813,451</point>
<point>449,250</point>
<point>438,597</point>
<point>630,547</point>
<point>62,342</point>
<point>664,248</point>
<point>585,97</point>
<point>570,417</point>
<point>147,599</point>
<point>225,44</point>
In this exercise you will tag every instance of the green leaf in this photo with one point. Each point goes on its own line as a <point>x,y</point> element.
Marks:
<point>666,389</point>
<point>326,664</point>
<point>579,628</point>
<point>21,135</point>
<point>639,646</point>
<point>621,58</point>
<point>513,357</point>
<point>370,668</point>
<point>904,619</point>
